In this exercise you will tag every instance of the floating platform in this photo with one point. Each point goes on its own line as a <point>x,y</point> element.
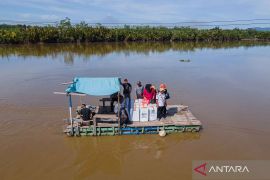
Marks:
<point>179,119</point>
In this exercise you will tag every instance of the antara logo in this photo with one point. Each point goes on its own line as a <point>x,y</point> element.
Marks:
<point>229,169</point>
<point>202,169</point>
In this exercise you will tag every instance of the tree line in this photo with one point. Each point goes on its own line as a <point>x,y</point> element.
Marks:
<point>65,32</point>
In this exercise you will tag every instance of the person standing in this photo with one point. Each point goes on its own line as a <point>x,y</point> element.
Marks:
<point>139,90</point>
<point>114,98</point>
<point>163,86</point>
<point>149,93</point>
<point>167,95</point>
<point>161,103</point>
<point>127,88</point>
<point>124,118</point>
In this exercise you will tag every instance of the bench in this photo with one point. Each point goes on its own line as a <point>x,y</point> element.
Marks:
<point>112,121</point>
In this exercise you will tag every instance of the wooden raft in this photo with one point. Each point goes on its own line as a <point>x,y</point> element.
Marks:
<point>179,119</point>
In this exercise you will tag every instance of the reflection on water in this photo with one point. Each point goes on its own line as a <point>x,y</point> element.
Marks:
<point>107,155</point>
<point>67,51</point>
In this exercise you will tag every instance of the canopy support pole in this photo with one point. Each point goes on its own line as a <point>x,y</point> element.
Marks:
<point>95,126</point>
<point>70,111</point>
<point>119,107</point>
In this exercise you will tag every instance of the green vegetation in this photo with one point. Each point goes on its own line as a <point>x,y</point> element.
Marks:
<point>66,32</point>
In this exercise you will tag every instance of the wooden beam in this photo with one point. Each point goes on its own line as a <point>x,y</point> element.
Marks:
<point>73,94</point>
<point>67,83</point>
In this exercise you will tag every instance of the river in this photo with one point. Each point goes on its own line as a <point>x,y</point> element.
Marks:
<point>226,85</point>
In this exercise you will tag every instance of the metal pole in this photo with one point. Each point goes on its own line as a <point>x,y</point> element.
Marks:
<point>70,110</point>
<point>119,106</point>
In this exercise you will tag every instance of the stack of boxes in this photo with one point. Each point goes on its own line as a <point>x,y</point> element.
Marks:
<point>152,108</point>
<point>135,111</point>
<point>144,112</point>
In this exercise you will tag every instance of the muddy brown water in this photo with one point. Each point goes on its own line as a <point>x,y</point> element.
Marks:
<point>226,85</point>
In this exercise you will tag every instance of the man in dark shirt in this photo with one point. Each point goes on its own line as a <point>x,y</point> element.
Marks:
<point>127,88</point>
<point>114,98</point>
<point>85,113</point>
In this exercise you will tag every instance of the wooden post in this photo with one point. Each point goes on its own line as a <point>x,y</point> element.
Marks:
<point>119,107</point>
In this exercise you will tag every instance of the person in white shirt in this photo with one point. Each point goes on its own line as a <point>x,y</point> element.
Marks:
<point>161,103</point>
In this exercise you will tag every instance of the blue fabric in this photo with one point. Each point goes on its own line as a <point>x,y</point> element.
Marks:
<point>94,86</point>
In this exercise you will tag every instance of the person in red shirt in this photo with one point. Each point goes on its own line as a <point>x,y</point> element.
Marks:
<point>149,93</point>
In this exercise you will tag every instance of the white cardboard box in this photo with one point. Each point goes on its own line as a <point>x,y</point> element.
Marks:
<point>135,112</point>
<point>143,104</point>
<point>138,101</point>
<point>144,114</point>
<point>152,108</point>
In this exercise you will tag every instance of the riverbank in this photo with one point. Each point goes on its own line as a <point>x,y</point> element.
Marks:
<point>67,33</point>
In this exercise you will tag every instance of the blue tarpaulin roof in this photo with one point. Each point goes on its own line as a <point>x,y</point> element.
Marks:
<point>94,86</point>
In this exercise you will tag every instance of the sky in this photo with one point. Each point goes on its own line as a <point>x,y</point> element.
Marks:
<point>133,11</point>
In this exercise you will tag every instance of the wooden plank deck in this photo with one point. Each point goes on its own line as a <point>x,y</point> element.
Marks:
<point>175,117</point>
<point>177,120</point>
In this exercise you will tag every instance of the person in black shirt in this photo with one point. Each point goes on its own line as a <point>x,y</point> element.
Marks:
<point>127,88</point>
<point>85,113</point>
<point>114,98</point>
